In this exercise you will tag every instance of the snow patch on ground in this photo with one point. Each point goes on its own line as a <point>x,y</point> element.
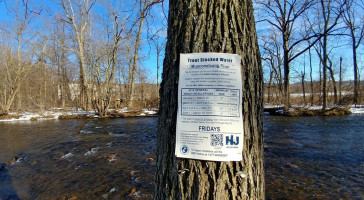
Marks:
<point>92,151</point>
<point>148,112</point>
<point>357,110</point>
<point>56,112</point>
<point>68,155</point>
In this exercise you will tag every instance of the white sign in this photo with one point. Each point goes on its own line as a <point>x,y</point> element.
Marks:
<point>209,118</point>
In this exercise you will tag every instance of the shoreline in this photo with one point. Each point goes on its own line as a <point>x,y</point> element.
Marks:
<point>75,114</point>
<point>300,111</point>
<point>274,110</point>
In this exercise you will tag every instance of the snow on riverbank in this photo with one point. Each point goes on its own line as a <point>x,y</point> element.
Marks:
<point>56,113</point>
<point>358,109</point>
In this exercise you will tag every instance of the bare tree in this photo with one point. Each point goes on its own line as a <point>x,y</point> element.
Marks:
<point>355,27</point>
<point>159,45</point>
<point>283,15</point>
<point>144,7</point>
<point>272,56</point>
<point>41,101</point>
<point>59,58</point>
<point>79,23</point>
<point>105,64</point>
<point>156,35</point>
<point>329,13</point>
<point>17,69</point>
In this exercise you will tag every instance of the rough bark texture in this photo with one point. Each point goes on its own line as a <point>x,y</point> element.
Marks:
<point>211,26</point>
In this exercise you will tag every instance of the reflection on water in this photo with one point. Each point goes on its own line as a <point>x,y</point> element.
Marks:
<point>305,158</point>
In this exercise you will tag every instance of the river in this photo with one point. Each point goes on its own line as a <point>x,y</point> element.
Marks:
<point>305,158</point>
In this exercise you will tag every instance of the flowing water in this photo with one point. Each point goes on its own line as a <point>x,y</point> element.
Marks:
<point>305,158</point>
<point>314,157</point>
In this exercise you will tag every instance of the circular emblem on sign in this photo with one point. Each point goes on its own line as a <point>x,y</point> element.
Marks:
<point>184,149</point>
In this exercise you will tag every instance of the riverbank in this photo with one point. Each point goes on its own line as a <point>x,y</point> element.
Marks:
<point>276,110</point>
<point>59,113</point>
<point>295,111</point>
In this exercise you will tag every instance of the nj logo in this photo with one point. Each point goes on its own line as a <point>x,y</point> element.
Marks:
<point>230,140</point>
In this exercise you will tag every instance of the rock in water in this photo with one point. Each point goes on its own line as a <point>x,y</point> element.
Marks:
<point>2,166</point>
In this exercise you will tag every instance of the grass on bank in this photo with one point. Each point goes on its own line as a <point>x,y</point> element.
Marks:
<point>294,112</point>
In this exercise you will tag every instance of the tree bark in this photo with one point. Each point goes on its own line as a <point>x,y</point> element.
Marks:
<point>211,26</point>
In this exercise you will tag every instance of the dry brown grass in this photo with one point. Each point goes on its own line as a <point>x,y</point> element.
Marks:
<point>308,112</point>
<point>75,117</point>
<point>337,112</point>
<point>10,116</point>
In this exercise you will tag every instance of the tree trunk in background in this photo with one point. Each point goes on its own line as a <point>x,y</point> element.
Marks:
<point>303,88</point>
<point>332,74</point>
<point>324,57</point>
<point>324,75</point>
<point>269,87</point>
<point>311,79</point>
<point>303,75</point>
<point>211,26</point>
<point>135,60</point>
<point>286,92</point>
<point>356,82</point>
<point>340,78</point>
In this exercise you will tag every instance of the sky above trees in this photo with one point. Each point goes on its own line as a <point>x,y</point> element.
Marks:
<point>340,45</point>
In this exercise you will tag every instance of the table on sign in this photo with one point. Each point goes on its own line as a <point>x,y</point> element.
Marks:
<point>210,102</point>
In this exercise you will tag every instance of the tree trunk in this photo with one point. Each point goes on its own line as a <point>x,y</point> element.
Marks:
<point>269,87</point>
<point>211,26</point>
<point>326,15</point>
<point>83,78</point>
<point>340,78</point>
<point>324,76</point>
<point>333,82</point>
<point>311,79</point>
<point>135,60</point>
<point>303,88</point>
<point>143,7</point>
<point>286,78</point>
<point>356,82</point>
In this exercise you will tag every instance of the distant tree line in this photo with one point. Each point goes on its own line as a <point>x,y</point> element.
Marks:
<point>78,53</point>
<point>296,35</point>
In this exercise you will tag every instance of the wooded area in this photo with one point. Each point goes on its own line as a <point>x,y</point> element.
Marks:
<point>87,54</point>
<point>81,54</point>
<point>307,35</point>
